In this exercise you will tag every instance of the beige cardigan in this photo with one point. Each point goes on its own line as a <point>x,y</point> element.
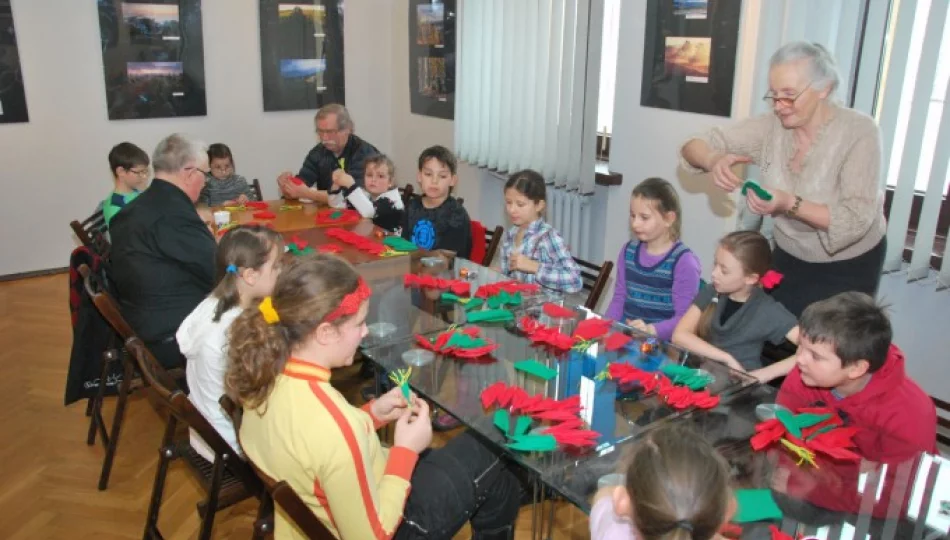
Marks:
<point>842,170</point>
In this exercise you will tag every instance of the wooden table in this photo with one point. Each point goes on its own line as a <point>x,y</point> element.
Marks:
<point>286,220</point>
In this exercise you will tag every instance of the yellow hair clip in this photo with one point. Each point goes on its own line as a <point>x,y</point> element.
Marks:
<point>266,308</point>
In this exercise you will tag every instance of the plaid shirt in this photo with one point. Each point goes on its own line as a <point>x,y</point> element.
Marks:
<point>557,269</point>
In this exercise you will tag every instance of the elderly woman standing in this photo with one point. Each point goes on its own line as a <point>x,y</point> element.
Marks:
<point>822,164</point>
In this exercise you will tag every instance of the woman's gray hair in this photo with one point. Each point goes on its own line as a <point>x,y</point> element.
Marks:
<point>824,71</point>
<point>176,152</point>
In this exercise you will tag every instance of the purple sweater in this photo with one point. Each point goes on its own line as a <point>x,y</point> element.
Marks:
<point>685,286</point>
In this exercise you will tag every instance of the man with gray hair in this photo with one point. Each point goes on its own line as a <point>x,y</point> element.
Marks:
<point>162,252</point>
<point>339,154</point>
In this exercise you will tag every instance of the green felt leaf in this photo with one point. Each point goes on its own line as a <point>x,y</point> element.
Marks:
<point>473,304</point>
<point>502,420</point>
<point>788,420</point>
<point>336,215</point>
<point>522,425</point>
<point>694,379</point>
<point>756,505</point>
<point>503,299</point>
<point>449,297</point>
<point>805,420</point>
<point>818,432</point>
<point>293,249</point>
<point>759,190</point>
<point>464,341</point>
<point>399,243</point>
<point>534,443</point>
<point>533,367</point>
<point>491,315</point>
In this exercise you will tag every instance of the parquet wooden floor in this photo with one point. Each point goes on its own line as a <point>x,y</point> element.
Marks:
<point>49,475</point>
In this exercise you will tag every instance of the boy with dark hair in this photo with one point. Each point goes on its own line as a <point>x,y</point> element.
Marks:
<point>846,361</point>
<point>436,220</point>
<point>129,166</point>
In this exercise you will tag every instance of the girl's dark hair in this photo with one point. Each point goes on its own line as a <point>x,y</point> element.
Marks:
<point>246,246</point>
<point>664,196</point>
<point>528,183</point>
<point>305,293</point>
<point>678,486</point>
<point>753,252</point>
<point>220,151</point>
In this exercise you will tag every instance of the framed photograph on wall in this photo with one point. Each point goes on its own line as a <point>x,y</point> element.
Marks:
<point>689,55</point>
<point>432,57</point>
<point>302,54</point>
<point>153,58</point>
<point>12,93</point>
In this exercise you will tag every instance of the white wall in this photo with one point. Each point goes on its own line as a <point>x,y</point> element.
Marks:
<point>53,169</point>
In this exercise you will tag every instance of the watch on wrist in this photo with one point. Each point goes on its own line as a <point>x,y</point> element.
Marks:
<point>794,209</point>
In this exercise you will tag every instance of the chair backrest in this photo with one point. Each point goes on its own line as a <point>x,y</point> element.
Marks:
<point>234,412</point>
<point>294,507</point>
<point>594,278</point>
<point>256,190</point>
<point>407,193</point>
<point>92,233</point>
<point>178,404</point>
<point>493,241</point>
<point>104,302</point>
<point>943,421</point>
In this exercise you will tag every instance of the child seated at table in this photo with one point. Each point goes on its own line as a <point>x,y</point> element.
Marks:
<point>732,317</point>
<point>436,221</point>
<point>298,428</point>
<point>129,166</point>
<point>378,199</point>
<point>676,488</point>
<point>532,251</point>
<point>657,275</point>
<point>846,361</point>
<point>247,263</point>
<point>224,187</point>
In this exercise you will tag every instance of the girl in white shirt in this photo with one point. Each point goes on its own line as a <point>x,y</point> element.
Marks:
<point>247,263</point>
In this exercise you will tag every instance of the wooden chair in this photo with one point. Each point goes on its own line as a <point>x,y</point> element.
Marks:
<point>227,480</point>
<point>92,233</point>
<point>281,492</point>
<point>407,192</point>
<point>595,279</point>
<point>943,421</point>
<point>492,243</point>
<point>256,190</point>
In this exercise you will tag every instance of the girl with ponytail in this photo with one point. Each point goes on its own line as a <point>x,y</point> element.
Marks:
<point>732,318</point>
<point>247,264</point>
<point>300,429</point>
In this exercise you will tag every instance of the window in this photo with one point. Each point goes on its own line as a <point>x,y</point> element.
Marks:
<point>608,77</point>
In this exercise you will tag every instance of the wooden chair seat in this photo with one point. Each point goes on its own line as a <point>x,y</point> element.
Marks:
<point>594,278</point>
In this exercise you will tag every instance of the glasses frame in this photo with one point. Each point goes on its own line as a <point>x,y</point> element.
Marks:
<point>769,97</point>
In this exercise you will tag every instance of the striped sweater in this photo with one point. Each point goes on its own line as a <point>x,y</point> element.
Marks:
<point>329,453</point>
<point>217,192</point>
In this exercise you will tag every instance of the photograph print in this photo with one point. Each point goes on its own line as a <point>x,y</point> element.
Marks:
<point>432,57</point>
<point>302,54</point>
<point>689,55</point>
<point>12,93</point>
<point>153,57</point>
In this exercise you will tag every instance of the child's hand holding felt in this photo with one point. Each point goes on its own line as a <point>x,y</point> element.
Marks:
<point>340,178</point>
<point>414,428</point>
<point>642,326</point>
<point>391,405</point>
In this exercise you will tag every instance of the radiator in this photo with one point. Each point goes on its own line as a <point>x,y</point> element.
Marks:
<point>570,213</point>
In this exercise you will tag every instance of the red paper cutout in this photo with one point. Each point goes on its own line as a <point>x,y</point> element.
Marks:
<point>359,242</point>
<point>617,341</point>
<point>343,217</point>
<point>828,437</point>
<point>558,312</point>
<point>510,287</point>
<point>297,180</point>
<point>590,329</point>
<point>299,242</point>
<point>439,345</point>
<point>678,397</point>
<point>257,205</point>
<point>329,248</point>
<point>424,281</point>
<point>264,214</point>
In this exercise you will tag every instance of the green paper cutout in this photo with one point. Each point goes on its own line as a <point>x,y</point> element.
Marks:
<point>788,420</point>
<point>759,190</point>
<point>294,250</point>
<point>522,425</point>
<point>405,392</point>
<point>502,420</point>
<point>503,299</point>
<point>399,243</point>
<point>473,304</point>
<point>533,367</point>
<point>805,420</point>
<point>449,297</point>
<point>491,315</point>
<point>693,379</point>
<point>464,341</point>
<point>756,505</point>
<point>534,443</point>
<point>336,215</point>
<point>818,432</point>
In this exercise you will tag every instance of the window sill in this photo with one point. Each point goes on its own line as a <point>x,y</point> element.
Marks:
<point>604,177</point>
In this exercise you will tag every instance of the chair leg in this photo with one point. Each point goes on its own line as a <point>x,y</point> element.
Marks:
<point>113,440</point>
<point>264,524</point>
<point>211,503</point>
<point>166,454</point>
<point>94,407</point>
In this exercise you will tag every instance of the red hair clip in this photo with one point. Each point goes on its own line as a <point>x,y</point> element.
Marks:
<point>350,303</point>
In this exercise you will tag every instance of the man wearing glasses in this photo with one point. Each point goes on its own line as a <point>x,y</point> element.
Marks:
<point>339,153</point>
<point>129,165</point>
<point>162,260</point>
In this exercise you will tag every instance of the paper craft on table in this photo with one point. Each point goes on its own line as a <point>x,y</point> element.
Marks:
<point>257,205</point>
<point>297,241</point>
<point>511,287</point>
<point>678,397</point>
<point>294,250</point>
<point>264,214</point>
<point>425,281</point>
<point>755,505</point>
<point>490,315</point>
<point>812,431</point>
<point>616,341</point>
<point>540,334</point>
<point>533,367</point>
<point>694,379</point>
<point>399,244</point>
<point>558,312</point>
<point>359,242</point>
<point>329,248</point>
<point>460,342</point>
<point>503,298</point>
<point>337,217</point>
<point>591,329</point>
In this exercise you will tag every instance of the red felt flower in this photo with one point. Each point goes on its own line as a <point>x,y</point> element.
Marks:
<point>340,217</point>
<point>777,534</point>
<point>257,205</point>
<point>329,248</point>
<point>299,242</point>
<point>590,329</point>
<point>297,180</point>
<point>264,214</point>
<point>616,341</point>
<point>771,279</point>
<point>557,312</point>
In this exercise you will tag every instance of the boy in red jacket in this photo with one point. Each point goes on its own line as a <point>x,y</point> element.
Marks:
<point>846,361</point>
